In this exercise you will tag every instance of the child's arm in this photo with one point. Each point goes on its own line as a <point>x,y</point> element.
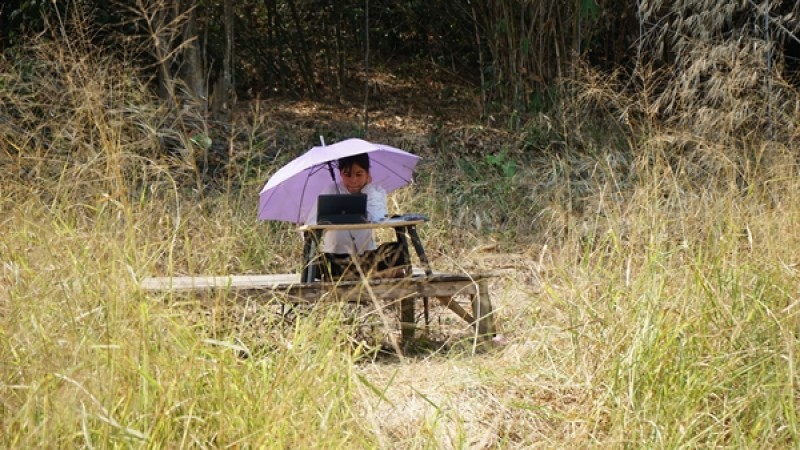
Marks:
<point>376,203</point>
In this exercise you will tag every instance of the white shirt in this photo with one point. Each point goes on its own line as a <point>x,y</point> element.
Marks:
<point>353,241</point>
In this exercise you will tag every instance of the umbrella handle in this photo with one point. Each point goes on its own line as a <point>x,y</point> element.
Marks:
<point>330,166</point>
<point>333,177</point>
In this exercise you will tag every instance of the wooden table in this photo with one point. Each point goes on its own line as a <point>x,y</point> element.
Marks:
<point>443,287</point>
<point>425,284</point>
<point>405,230</point>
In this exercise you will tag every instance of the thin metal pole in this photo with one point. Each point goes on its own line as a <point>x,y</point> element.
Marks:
<point>366,68</point>
<point>769,70</point>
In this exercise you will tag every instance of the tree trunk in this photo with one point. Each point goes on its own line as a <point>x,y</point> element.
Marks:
<point>162,34</point>
<point>193,70</point>
<point>224,89</point>
<point>277,34</point>
<point>366,69</point>
<point>340,67</point>
<point>304,58</point>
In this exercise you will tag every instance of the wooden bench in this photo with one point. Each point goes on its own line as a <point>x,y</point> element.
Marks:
<point>440,286</point>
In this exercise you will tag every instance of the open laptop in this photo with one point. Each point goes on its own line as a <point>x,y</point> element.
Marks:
<point>341,208</point>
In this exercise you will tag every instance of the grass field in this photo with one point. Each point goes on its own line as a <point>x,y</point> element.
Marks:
<point>649,295</point>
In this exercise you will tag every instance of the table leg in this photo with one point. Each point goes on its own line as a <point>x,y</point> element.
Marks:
<point>309,253</point>
<point>402,238</point>
<point>412,231</point>
<point>482,311</point>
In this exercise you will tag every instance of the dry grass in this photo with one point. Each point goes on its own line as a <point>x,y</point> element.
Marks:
<point>649,289</point>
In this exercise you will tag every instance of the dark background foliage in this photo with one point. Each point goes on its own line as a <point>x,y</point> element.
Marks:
<point>514,51</point>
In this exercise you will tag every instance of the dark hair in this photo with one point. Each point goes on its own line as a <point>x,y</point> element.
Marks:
<point>346,163</point>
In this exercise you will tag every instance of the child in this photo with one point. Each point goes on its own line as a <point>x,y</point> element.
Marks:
<point>339,246</point>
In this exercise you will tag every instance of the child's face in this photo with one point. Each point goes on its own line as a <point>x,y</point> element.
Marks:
<point>355,178</point>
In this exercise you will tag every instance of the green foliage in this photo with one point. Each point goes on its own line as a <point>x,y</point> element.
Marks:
<point>589,9</point>
<point>505,166</point>
<point>279,54</point>
<point>494,172</point>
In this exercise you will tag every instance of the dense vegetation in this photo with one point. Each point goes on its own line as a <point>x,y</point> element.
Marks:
<point>641,206</point>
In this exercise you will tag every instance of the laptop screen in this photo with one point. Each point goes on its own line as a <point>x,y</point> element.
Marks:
<point>341,208</point>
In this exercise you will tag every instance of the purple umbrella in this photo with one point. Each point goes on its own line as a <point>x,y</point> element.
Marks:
<point>291,192</point>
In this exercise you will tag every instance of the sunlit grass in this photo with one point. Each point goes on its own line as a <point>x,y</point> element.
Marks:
<point>648,291</point>
<point>88,360</point>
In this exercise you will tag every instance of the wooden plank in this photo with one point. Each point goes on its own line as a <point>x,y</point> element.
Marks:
<point>442,286</point>
<point>356,291</point>
<point>389,223</point>
<point>438,285</point>
<point>218,282</point>
<point>395,290</point>
<point>452,305</point>
<point>287,281</point>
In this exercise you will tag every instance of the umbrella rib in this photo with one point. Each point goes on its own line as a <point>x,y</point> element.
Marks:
<point>302,197</point>
<point>311,171</point>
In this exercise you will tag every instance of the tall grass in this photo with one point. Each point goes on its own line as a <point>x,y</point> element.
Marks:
<point>88,360</point>
<point>89,208</point>
<point>687,330</point>
<point>652,298</point>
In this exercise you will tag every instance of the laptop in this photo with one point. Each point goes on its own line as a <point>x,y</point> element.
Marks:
<point>341,209</point>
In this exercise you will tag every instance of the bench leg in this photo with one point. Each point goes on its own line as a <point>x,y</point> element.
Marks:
<point>425,305</point>
<point>452,305</point>
<point>482,311</point>
<point>407,325</point>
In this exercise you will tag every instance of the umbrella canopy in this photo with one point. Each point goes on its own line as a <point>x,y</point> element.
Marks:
<point>291,192</point>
